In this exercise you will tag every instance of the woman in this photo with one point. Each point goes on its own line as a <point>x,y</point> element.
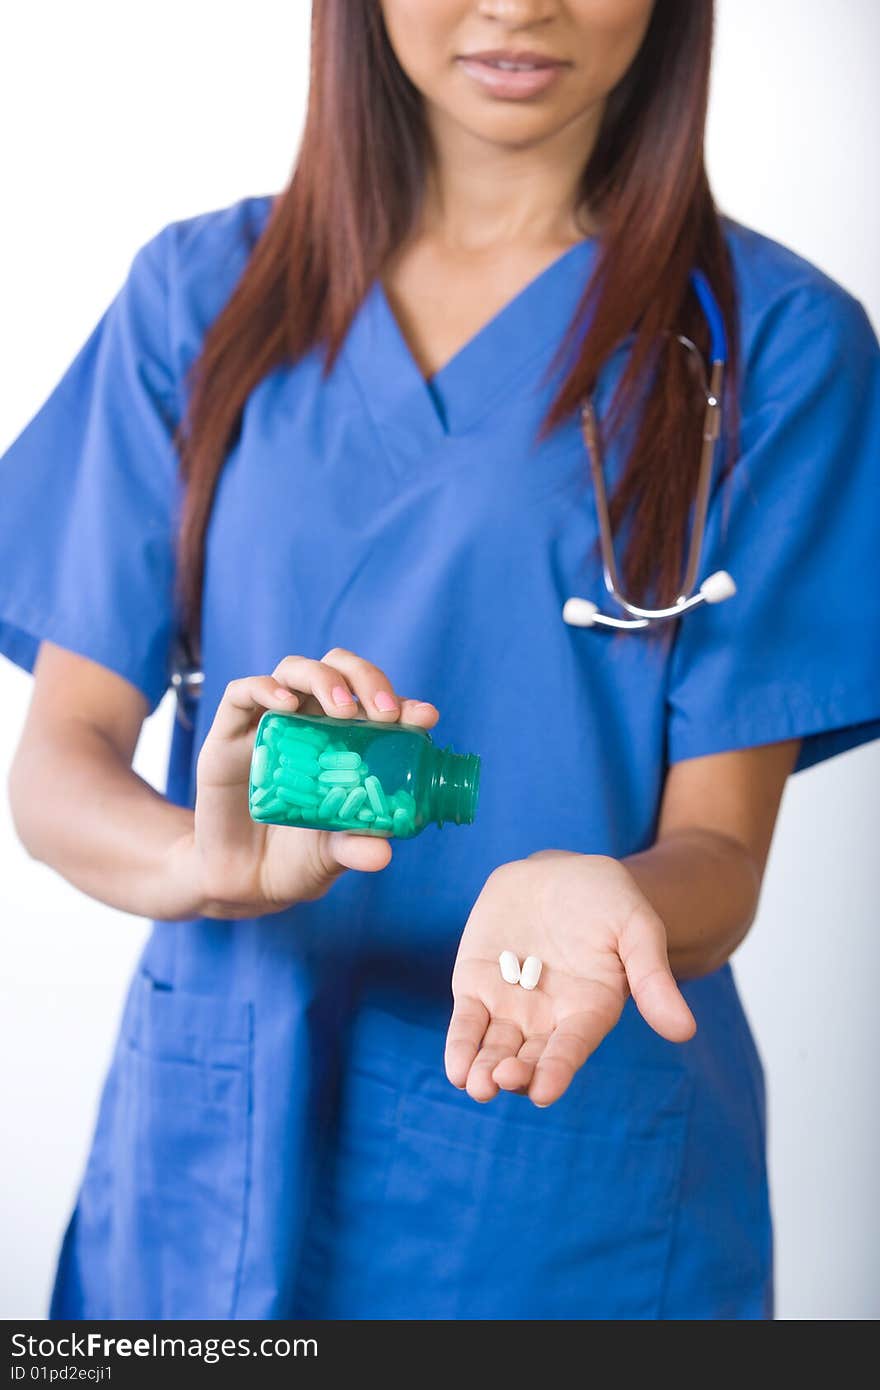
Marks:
<point>372,383</point>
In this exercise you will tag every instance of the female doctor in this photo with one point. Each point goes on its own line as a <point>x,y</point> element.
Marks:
<point>345,422</point>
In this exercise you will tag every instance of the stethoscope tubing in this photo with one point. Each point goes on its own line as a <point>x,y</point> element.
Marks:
<point>580,612</point>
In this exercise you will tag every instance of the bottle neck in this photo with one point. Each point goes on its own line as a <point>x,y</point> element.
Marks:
<point>454,787</point>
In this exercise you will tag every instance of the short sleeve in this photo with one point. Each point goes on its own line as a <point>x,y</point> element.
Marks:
<point>796,651</point>
<point>90,496</point>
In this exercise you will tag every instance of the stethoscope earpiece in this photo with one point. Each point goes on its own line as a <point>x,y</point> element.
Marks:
<point>579,612</point>
<point>718,587</point>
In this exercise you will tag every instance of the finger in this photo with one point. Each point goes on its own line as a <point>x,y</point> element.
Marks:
<point>325,683</point>
<point>515,1073</point>
<point>243,698</point>
<point>370,684</point>
<point>420,712</point>
<point>470,1019</point>
<point>329,854</point>
<point>568,1047</point>
<point>503,1039</point>
<point>365,853</point>
<point>651,982</point>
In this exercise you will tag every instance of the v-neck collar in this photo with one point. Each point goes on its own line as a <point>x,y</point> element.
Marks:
<point>524,332</point>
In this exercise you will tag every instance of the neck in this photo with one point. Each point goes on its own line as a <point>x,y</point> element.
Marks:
<point>480,194</point>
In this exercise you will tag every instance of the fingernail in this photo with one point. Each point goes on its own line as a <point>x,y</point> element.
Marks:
<point>283,694</point>
<point>384,700</point>
<point>341,696</point>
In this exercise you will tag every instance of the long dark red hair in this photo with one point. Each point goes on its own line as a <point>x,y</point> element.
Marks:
<point>328,238</point>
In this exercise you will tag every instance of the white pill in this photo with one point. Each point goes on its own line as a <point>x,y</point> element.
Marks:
<point>531,972</point>
<point>509,967</point>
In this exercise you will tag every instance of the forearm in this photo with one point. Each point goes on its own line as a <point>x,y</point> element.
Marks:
<point>80,809</point>
<point>705,886</point>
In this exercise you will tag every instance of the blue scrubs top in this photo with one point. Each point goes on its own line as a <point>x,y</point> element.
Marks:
<point>276,1135</point>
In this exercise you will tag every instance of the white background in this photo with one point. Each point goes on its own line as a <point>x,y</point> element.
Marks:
<point>118,119</point>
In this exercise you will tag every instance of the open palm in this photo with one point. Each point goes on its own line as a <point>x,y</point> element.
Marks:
<point>599,939</point>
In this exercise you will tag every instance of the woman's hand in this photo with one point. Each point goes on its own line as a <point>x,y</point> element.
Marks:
<point>600,941</point>
<point>247,869</point>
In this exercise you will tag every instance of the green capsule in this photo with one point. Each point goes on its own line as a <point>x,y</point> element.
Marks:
<point>366,815</point>
<point>338,762</point>
<point>338,779</point>
<point>352,803</point>
<point>303,761</point>
<point>295,750</point>
<point>377,796</point>
<point>291,779</point>
<point>297,797</point>
<point>383,822</point>
<point>260,766</point>
<point>306,734</point>
<point>332,803</point>
<point>401,822</point>
<point>261,795</point>
<point>270,809</point>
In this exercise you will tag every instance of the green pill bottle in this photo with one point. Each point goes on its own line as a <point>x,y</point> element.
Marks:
<point>358,775</point>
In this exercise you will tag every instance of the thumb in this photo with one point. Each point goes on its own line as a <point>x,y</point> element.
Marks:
<point>366,853</point>
<point>652,985</point>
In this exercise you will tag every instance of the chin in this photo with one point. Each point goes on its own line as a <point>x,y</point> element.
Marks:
<point>507,126</point>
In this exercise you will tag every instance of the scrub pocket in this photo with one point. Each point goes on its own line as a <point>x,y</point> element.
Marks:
<point>180,1153</point>
<point>431,1206</point>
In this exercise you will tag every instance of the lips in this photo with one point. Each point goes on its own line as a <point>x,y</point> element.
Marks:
<point>513,58</point>
<point>510,74</point>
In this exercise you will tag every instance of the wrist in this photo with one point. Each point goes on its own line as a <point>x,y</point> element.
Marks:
<point>184,893</point>
<point>704,886</point>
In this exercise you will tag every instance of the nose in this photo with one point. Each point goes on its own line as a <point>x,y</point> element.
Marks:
<point>518,14</point>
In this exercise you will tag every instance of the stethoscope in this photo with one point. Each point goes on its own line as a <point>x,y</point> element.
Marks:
<point>187,678</point>
<point>582,612</point>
